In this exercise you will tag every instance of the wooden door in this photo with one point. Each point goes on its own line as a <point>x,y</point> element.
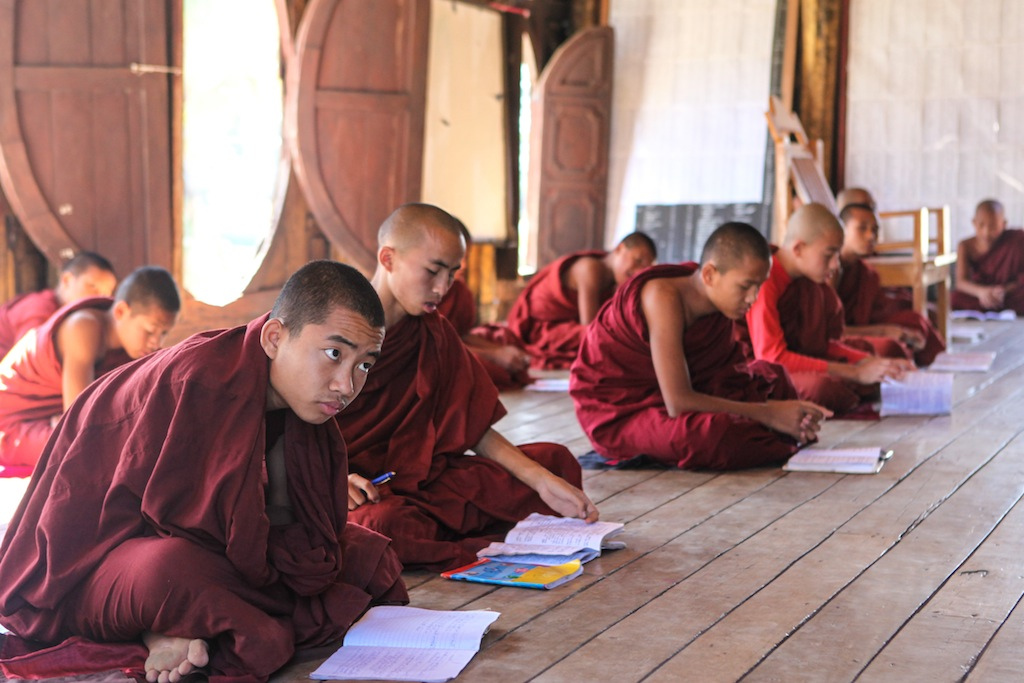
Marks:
<point>354,115</point>
<point>571,112</point>
<point>84,136</point>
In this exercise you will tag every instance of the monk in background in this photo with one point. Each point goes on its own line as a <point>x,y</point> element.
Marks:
<point>51,365</point>
<point>426,403</point>
<point>797,321</point>
<point>990,265</point>
<point>564,296</point>
<point>660,373</point>
<point>893,330</point>
<point>190,510</point>
<point>497,349</point>
<point>85,275</point>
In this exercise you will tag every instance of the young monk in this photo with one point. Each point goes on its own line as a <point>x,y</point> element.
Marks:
<point>990,265</point>
<point>660,373</point>
<point>426,403</point>
<point>194,504</point>
<point>797,321</point>
<point>496,348</point>
<point>85,275</point>
<point>51,365</point>
<point>869,312</point>
<point>558,303</point>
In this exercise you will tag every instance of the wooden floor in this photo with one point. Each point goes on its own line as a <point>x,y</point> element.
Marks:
<point>913,574</point>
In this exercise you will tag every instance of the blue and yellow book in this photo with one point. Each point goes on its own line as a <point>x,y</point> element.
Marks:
<point>516,574</point>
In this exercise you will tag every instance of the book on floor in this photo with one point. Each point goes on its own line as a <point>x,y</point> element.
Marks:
<point>497,572</point>
<point>549,540</point>
<point>1005,314</point>
<point>966,332</point>
<point>918,393</point>
<point>963,361</point>
<point>844,460</point>
<point>392,643</point>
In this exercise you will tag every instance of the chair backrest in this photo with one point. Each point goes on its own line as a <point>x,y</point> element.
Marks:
<point>924,239</point>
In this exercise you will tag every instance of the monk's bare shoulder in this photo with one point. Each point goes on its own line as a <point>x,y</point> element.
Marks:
<point>82,332</point>
<point>586,271</point>
<point>662,299</point>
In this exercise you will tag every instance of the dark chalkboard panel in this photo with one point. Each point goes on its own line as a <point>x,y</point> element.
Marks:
<point>680,230</point>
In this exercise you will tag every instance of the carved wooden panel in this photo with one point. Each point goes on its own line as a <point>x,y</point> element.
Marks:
<point>569,150</point>
<point>84,144</point>
<point>354,115</point>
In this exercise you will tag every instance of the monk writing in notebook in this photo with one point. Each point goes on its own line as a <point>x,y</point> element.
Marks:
<point>551,313</point>
<point>426,403</point>
<point>85,275</point>
<point>660,374</point>
<point>869,312</point>
<point>51,365</point>
<point>990,265</point>
<point>797,321</point>
<point>190,510</point>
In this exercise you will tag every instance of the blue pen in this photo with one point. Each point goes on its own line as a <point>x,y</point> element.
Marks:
<point>382,479</point>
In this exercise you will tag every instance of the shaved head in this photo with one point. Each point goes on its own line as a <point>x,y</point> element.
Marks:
<point>854,195</point>
<point>992,206</point>
<point>409,224</point>
<point>811,222</point>
<point>732,243</point>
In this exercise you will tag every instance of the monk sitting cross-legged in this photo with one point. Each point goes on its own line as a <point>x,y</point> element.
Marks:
<point>990,265</point>
<point>660,373</point>
<point>426,403</point>
<point>190,510</point>
<point>797,321</point>
<point>51,365</point>
<point>892,329</point>
<point>560,300</point>
<point>85,275</point>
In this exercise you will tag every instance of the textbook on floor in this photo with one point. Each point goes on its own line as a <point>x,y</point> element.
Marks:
<point>517,574</point>
<point>844,460</point>
<point>549,540</point>
<point>392,643</point>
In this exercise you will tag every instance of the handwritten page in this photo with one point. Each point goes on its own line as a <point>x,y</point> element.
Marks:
<point>963,361</point>
<point>549,540</point>
<point>918,393</point>
<point>392,643</point>
<point>844,460</point>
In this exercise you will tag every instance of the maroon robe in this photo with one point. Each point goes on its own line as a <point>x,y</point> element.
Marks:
<point>425,403</point>
<point>1002,265</point>
<point>22,313</point>
<point>546,315</point>
<point>798,323</point>
<point>865,302</point>
<point>460,309</point>
<point>621,408</point>
<point>147,512</point>
<point>31,391</point>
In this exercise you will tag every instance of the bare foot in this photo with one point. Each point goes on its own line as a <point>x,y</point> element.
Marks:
<point>172,658</point>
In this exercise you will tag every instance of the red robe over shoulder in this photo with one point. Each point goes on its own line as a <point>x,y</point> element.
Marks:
<point>865,302</point>
<point>459,308</point>
<point>30,386</point>
<point>22,313</point>
<point>425,403</point>
<point>619,404</point>
<point>1002,265</point>
<point>147,512</point>
<point>546,315</point>
<point>799,324</point>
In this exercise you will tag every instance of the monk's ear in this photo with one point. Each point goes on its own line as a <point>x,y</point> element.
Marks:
<point>708,271</point>
<point>386,257</point>
<point>121,310</point>
<point>271,336</point>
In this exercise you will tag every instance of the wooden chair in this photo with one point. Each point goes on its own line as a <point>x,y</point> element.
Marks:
<point>919,262</point>
<point>924,260</point>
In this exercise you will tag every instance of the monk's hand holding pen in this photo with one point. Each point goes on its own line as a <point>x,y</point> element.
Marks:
<point>361,491</point>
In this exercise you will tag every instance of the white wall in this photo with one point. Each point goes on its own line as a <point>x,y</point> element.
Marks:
<point>936,104</point>
<point>690,92</point>
<point>464,157</point>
